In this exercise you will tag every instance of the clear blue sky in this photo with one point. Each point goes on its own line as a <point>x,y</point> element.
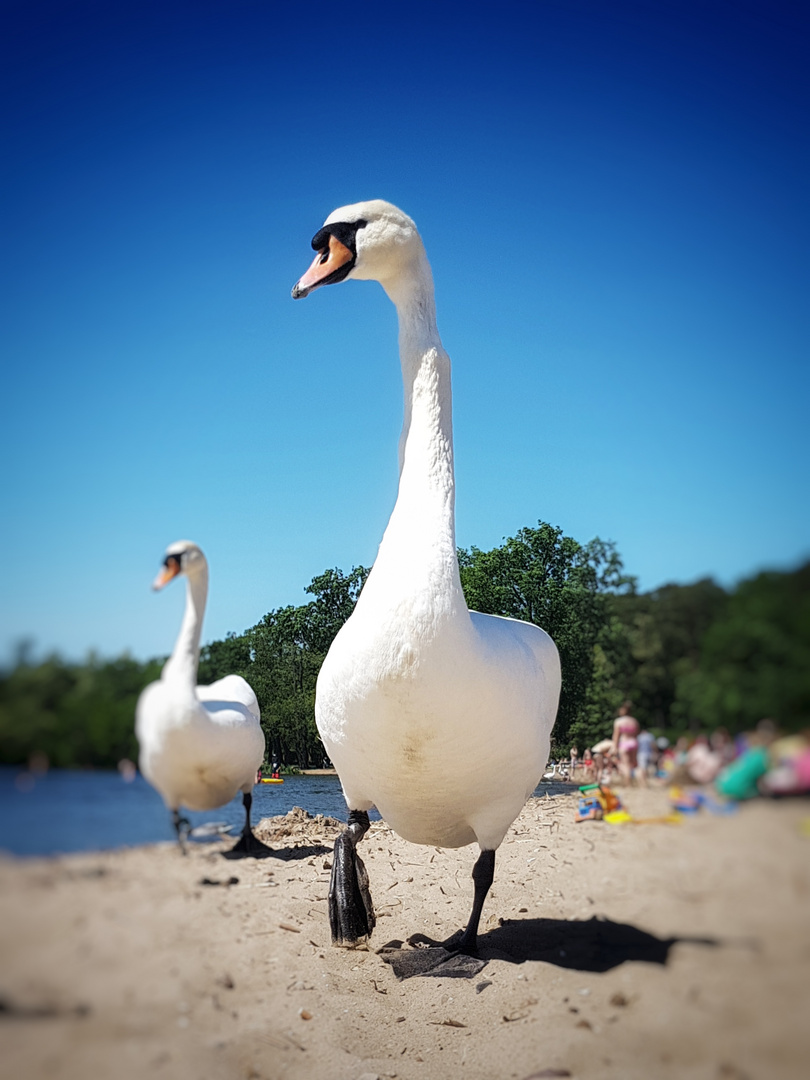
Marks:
<point>613,197</point>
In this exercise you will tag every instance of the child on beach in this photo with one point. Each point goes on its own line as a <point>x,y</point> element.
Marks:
<point>625,739</point>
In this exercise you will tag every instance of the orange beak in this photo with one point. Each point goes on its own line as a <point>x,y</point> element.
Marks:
<point>327,262</point>
<point>171,570</point>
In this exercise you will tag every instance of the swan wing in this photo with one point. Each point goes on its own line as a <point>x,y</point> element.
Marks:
<point>232,688</point>
<point>146,710</point>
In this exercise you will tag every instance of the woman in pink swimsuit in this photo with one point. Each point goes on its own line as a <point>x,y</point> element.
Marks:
<point>625,739</point>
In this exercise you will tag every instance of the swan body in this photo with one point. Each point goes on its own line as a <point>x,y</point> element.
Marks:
<point>199,745</point>
<point>438,716</point>
<point>200,754</point>
<point>414,720</point>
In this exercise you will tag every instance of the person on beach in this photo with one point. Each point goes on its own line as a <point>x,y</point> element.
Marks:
<point>723,744</point>
<point>625,739</point>
<point>646,751</point>
<point>600,771</point>
<point>702,763</point>
<point>588,770</point>
<point>574,764</point>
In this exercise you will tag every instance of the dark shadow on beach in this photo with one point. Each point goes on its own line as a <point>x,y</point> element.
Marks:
<point>592,945</point>
<point>305,851</point>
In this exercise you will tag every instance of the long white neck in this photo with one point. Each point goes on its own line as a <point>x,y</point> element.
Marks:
<point>181,667</point>
<point>418,549</point>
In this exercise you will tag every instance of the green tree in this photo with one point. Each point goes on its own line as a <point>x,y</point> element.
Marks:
<point>335,595</point>
<point>661,644</point>
<point>687,655</point>
<point>74,714</point>
<point>754,659</point>
<point>544,577</point>
<point>287,648</point>
<point>230,656</point>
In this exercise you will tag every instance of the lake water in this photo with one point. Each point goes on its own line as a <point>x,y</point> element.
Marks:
<point>66,810</point>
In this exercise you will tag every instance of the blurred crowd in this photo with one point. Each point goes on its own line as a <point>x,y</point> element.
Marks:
<point>759,762</point>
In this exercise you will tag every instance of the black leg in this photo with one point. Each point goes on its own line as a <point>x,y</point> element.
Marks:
<point>248,844</point>
<point>182,826</point>
<point>482,875</point>
<point>457,957</point>
<point>351,912</point>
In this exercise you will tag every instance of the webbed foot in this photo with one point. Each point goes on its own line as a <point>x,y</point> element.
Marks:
<point>430,959</point>
<point>351,910</point>
<point>249,844</point>
<point>455,958</point>
<point>182,826</point>
<point>461,944</point>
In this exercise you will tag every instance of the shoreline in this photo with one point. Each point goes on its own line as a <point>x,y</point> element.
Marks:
<point>673,951</point>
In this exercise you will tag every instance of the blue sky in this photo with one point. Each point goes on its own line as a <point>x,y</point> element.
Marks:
<point>613,199</point>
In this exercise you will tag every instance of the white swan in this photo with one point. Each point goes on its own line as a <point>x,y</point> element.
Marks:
<point>199,745</point>
<point>438,716</point>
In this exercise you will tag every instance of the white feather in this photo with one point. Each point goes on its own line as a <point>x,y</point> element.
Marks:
<point>199,745</point>
<point>438,716</point>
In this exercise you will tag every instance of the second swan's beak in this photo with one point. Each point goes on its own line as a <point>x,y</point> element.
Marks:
<point>170,570</point>
<point>327,262</point>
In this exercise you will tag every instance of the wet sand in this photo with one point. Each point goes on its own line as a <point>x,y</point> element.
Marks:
<point>633,951</point>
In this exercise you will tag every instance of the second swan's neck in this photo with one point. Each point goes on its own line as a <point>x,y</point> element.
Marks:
<point>181,667</point>
<point>419,545</point>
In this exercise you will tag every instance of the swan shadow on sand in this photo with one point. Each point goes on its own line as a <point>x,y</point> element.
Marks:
<point>306,851</point>
<point>591,945</point>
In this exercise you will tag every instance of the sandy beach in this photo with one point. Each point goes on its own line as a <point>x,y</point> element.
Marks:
<point>632,951</point>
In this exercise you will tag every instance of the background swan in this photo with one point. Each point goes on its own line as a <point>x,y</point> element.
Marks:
<point>439,716</point>
<point>199,745</point>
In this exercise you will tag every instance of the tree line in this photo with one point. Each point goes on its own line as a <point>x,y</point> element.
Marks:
<point>689,656</point>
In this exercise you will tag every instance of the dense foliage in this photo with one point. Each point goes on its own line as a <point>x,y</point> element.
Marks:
<point>658,645</point>
<point>549,579</point>
<point>688,656</point>
<point>288,647</point>
<point>754,659</point>
<point>75,714</point>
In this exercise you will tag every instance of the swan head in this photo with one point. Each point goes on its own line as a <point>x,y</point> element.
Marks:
<point>182,557</point>
<point>369,241</point>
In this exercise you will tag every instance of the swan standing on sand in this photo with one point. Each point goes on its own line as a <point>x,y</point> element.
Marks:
<point>200,745</point>
<point>438,716</point>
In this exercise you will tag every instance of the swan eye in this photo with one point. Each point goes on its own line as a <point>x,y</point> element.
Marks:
<point>320,241</point>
